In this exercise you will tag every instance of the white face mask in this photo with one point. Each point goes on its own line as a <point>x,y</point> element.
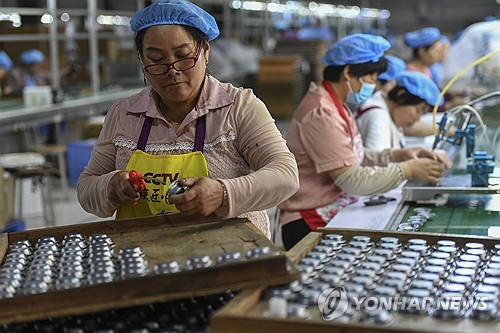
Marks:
<point>362,95</point>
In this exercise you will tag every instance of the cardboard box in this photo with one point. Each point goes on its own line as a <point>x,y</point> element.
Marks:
<point>281,84</point>
<point>38,95</point>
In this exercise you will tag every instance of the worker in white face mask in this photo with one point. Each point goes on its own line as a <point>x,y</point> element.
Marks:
<point>333,166</point>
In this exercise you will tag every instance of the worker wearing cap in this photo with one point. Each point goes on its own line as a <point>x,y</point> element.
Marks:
<point>31,73</point>
<point>5,66</point>
<point>429,49</point>
<point>216,139</point>
<point>426,45</point>
<point>333,166</point>
<point>382,118</point>
<point>387,80</point>
<point>437,68</point>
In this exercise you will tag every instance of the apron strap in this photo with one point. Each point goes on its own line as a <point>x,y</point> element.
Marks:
<point>143,138</point>
<point>199,139</point>
<point>362,111</point>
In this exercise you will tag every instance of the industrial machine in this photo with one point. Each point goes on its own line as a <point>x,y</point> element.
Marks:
<point>477,175</point>
<point>479,163</point>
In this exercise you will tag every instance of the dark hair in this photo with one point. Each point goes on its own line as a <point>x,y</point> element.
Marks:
<point>401,96</point>
<point>197,35</point>
<point>426,48</point>
<point>382,81</point>
<point>332,73</point>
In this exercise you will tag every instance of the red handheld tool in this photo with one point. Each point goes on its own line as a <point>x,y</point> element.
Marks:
<point>136,181</point>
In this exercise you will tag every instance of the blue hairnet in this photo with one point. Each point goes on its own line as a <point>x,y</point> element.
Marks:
<point>33,56</point>
<point>356,49</point>
<point>163,12</point>
<point>395,65</point>
<point>422,37</point>
<point>5,61</point>
<point>419,85</point>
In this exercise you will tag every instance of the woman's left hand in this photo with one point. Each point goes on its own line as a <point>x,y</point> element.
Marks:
<point>443,157</point>
<point>203,197</point>
<point>401,155</point>
<point>439,155</point>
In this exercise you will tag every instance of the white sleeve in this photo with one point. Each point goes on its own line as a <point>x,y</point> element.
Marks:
<point>375,130</point>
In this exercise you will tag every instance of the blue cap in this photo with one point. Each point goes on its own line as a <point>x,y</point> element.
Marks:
<point>419,85</point>
<point>395,65</point>
<point>5,61</point>
<point>356,49</point>
<point>422,37</point>
<point>444,39</point>
<point>164,12</point>
<point>33,56</point>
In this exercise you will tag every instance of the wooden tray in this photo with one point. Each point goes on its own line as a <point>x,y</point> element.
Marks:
<point>162,238</point>
<point>246,313</point>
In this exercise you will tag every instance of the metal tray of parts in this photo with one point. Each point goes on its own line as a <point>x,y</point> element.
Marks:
<point>250,311</point>
<point>162,238</point>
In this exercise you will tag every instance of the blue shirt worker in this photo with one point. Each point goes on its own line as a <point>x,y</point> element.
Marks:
<point>31,73</point>
<point>5,66</point>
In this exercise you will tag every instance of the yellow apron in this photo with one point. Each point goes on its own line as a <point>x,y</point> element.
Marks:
<point>166,168</point>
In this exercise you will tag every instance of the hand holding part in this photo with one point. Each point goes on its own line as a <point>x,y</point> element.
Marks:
<point>121,191</point>
<point>401,155</point>
<point>426,169</point>
<point>175,188</point>
<point>443,158</point>
<point>136,181</point>
<point>204,197</point>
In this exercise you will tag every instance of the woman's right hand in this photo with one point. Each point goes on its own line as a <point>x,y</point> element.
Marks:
<point>425,169</point>
<point>120,191</point>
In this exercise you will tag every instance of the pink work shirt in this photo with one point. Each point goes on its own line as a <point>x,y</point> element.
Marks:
<point>426,71</point>
<point>321,141</point>
<point>242,147</point>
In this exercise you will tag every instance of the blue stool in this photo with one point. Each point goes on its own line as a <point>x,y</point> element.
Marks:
<point>15,226</point>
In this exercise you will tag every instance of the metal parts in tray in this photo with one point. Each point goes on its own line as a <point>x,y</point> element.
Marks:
<point>78,269</point>
<point>397,282</point>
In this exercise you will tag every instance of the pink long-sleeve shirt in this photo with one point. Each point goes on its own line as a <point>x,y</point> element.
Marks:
<point>242,146</point>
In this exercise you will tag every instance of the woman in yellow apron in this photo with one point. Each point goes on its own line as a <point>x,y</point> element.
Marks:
<point>163,170</point>
<point>216,139</point>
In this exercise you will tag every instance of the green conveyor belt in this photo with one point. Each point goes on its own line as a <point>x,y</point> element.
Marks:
<point>462,214</point>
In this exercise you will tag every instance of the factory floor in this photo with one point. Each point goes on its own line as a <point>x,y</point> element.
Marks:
<point>67,210</point>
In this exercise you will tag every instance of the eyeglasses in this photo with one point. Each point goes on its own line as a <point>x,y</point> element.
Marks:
<point>179,65</point>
